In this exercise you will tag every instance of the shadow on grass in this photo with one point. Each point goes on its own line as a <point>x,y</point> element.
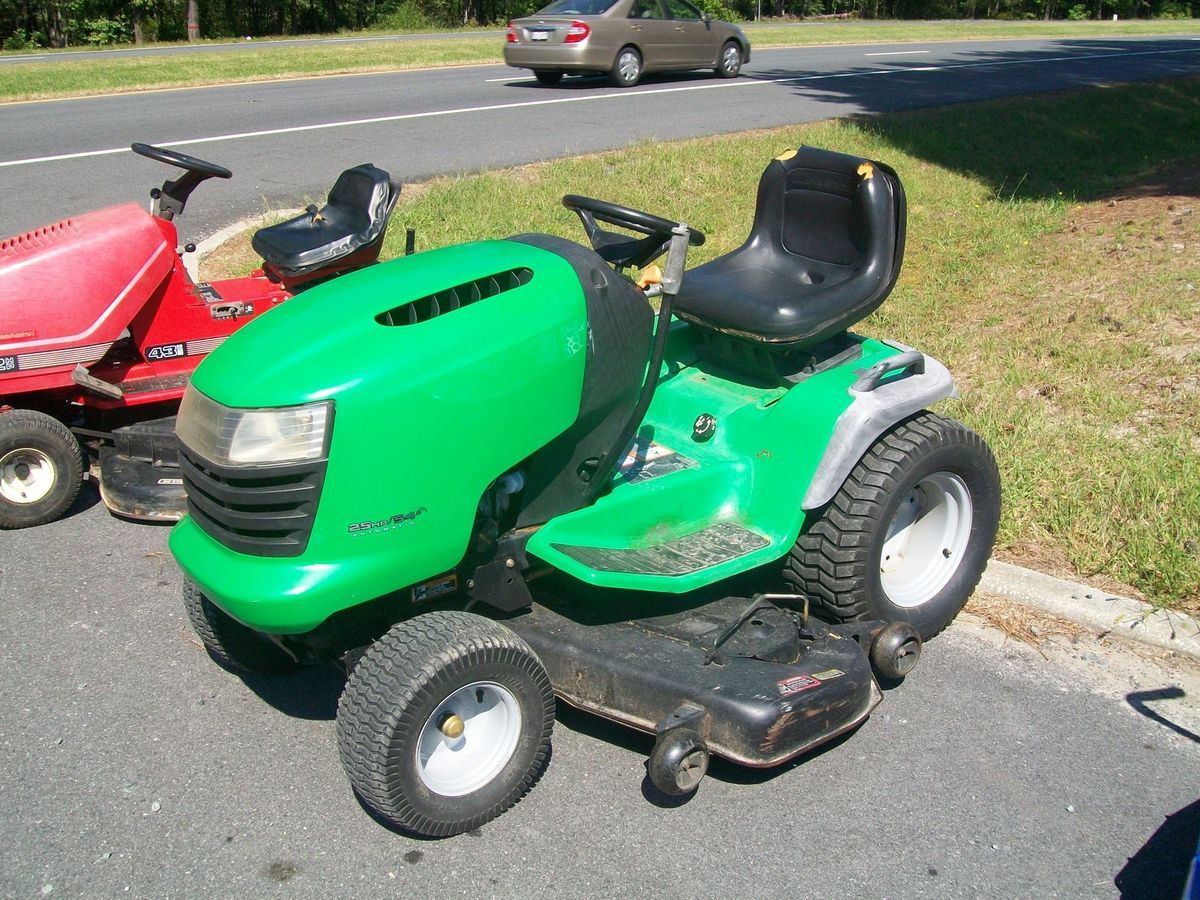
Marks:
<point>1089,144</point>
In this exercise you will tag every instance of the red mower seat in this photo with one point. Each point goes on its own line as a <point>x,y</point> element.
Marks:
<point>354,217</point>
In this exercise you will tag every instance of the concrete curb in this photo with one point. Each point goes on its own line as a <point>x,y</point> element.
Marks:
<point>1096,609</point>
<point>192,261</point>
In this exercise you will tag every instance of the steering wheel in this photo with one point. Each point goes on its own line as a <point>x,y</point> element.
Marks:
<point>619,249</point>
<point>182,160</point>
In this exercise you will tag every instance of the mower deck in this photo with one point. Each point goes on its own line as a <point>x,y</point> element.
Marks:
<point>139,474</point>
<point>767,693</point>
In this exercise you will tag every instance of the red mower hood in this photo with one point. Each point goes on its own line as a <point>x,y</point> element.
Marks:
<point>81,280</point>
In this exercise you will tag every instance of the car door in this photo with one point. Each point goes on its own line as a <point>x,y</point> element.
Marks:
<point>692,45</point>
<point>652,30</point>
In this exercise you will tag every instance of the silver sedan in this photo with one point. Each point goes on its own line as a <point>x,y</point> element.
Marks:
<point>623,38</point>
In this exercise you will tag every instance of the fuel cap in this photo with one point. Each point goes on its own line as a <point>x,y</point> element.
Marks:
<point>704,427</point>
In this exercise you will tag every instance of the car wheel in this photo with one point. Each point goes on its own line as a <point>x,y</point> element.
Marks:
<point>627,68</point>
<point>548,76</point>
<point>730,63</point>
<point>41,468</point>
<point>907,536</point>
<point>445,723</point>
<point>228,641</point>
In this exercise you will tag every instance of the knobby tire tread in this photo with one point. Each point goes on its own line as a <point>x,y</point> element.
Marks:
<point>232,644</point>
<point>392,677</point>
<point>828,558</point>
<point>58,433</point>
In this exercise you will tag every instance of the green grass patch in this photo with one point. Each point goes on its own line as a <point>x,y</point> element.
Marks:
<point>77,77</point>
<point>1052,263</point>
<point>101,75</point>
<point>955,30</point>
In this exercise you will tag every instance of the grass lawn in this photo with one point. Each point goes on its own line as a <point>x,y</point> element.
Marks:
<point>1053,263</point>
<point>72,77</point>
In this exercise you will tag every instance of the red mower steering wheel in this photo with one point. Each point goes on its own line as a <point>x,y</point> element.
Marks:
<point>182,160</point>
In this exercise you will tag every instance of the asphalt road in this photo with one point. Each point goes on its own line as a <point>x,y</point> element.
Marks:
<point>286,141</point>
<point>132,765</point>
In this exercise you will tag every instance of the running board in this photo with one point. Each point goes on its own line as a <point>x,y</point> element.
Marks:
<point>694,552</point>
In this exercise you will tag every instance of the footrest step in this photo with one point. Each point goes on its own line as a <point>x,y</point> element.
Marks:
<point>691,553</point>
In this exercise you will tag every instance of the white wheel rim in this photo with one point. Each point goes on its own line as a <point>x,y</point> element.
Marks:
<point>731,59</point>
<point>491,719</point>
<point>628,65</point>
<point>926,540</point>
<point>26,475</point>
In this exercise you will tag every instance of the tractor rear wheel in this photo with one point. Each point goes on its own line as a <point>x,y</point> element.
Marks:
<point>445,723</point>
<point>907,536</point>
<point>41,468</point>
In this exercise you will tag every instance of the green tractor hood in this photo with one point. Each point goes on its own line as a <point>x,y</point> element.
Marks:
<point>439,386</point>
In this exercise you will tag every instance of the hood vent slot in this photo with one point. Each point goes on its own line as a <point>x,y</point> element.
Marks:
<point>38,239</point>
<point>425,308</point>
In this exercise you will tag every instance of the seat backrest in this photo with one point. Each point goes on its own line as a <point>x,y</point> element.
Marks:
<point>364,195</point>
<point>835,211</point>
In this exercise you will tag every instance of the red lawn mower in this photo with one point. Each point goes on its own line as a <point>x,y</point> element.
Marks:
<point>101,326</point>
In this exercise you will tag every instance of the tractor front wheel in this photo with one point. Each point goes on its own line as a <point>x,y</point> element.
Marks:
<point>230,642</point>
<point>41,468</point>
<point>907,536</point>
<point>445,723</point>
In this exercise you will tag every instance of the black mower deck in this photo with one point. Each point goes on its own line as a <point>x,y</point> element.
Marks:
<point>768,692</point>
<point>139,472</point>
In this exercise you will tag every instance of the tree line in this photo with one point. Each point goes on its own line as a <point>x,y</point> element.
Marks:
<point>29,24</point>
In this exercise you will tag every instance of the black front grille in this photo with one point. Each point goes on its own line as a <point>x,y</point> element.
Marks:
<point>260,510</point>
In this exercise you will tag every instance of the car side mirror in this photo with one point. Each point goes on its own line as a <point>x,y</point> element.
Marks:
<point>706,18</point>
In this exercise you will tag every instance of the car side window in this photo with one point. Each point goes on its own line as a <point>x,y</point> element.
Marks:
<point>681,9</point>
<point>645,9</point>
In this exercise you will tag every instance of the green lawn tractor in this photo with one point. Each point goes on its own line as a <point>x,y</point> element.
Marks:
<point>490,475</point>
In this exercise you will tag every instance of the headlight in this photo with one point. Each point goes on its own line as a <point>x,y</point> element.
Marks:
<point>244,437</point>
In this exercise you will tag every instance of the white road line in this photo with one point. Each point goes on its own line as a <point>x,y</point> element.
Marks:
<point>506,78</point>
<point>747,82</point>
<point>897,53</point>
<point>20,58</point>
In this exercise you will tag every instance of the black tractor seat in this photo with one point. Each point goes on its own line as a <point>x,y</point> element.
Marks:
<point>354,217</point>
<point>824,252</point>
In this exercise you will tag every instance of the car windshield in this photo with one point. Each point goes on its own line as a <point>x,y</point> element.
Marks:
<point>576,8</point>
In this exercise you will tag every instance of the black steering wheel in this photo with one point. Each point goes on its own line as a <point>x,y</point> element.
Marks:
<point>619,249</point>
<point>182,160</point>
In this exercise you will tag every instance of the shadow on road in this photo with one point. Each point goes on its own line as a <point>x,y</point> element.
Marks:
<point>1160,868</point>
<point>308,693</point>
<point>1139,700</point>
